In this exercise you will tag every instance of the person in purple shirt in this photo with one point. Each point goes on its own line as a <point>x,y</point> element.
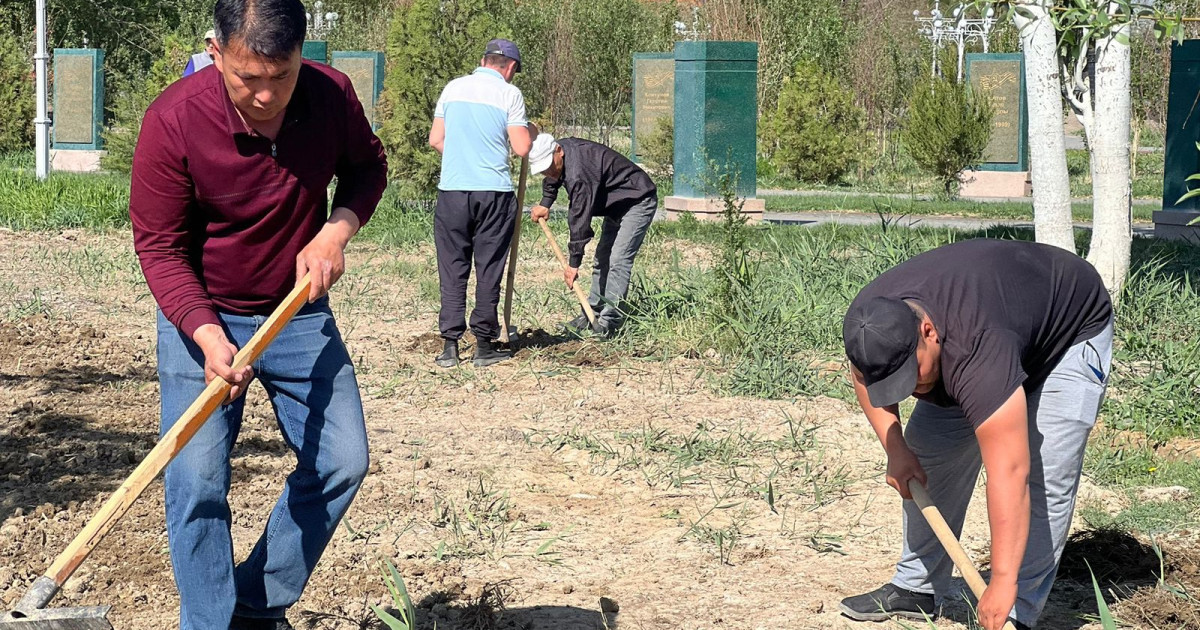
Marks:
<point>229,209</point>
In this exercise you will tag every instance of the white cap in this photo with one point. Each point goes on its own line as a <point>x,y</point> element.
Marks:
<point>541,153</point>
<point>210,34</point>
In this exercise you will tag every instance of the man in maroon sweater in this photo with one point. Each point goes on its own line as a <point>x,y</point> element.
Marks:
<point>230,210</point>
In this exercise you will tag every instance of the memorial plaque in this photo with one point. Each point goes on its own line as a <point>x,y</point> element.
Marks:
<point>1180,154</point>
<point>653,93</point>
<point>78,98</point>
<point>1000,78</point>
<point>315,50</point>
<point>365,70</point>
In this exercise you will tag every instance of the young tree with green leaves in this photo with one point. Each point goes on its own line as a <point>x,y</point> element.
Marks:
<point>1089,65</point>
<point>121,137</point>
<point>816,132</point>
<point>947,130</point>
<point>430,42</point>
<point>16,94</point>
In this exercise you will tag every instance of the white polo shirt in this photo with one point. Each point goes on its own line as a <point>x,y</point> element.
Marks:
<point>478,109</point>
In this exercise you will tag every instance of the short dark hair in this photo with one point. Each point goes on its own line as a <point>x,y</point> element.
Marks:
<point>497,61</point>
<point>269,28</point>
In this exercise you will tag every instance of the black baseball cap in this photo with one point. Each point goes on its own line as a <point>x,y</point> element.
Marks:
<point>506,48</point>
<point>881,341</point>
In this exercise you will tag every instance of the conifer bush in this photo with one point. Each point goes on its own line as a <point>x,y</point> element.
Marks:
<point>946,130</point>
<point>816,133</point>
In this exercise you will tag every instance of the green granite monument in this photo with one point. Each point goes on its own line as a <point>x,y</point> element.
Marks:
<point>365,70</point>
<point>653,94</point>
<point>78,99</point>
<point>1000,77</point>
<point>1182,158</point>
<point>716,125</point>
<point>315,50</point>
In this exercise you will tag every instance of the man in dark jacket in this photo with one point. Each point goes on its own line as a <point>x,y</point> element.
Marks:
<point>600,183</point>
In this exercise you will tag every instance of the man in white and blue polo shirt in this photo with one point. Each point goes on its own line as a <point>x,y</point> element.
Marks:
<point>476,119</point>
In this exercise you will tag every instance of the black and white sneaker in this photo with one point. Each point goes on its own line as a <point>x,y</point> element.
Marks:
<point>889,601</point>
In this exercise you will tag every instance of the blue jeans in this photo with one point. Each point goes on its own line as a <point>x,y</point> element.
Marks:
<point>310,380</point>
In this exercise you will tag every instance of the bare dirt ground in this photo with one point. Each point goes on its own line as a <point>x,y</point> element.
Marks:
<point>520,496</point>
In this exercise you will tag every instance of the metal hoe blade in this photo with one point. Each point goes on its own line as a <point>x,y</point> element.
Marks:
<point>30,613</point>
<point>91,618</point>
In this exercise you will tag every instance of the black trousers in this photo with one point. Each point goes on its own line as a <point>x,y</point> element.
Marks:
<point>472,225</point>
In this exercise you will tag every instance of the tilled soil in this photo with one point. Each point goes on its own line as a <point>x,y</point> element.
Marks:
<point>570,488</point>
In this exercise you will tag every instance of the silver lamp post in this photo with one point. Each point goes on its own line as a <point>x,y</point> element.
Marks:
<point>42,120</point>
<point>321,23</point>
<point>961,28</point>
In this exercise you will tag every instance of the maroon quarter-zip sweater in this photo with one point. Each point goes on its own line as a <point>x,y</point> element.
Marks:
<point>219,213</point>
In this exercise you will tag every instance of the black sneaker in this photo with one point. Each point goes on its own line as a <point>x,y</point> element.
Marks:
<point>260,623</point>
<point>889,601</point>
<point>449,356</point>
<point>486,353</point>
<point>604,329</point>
<point>579,324</point>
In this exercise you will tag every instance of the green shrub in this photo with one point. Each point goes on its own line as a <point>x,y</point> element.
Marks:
<point>430,42</point>
<point>130,107</point>
<point>816,132</point>
<point>657,151</point>
<point>947,130</point>
<point>16,95</point>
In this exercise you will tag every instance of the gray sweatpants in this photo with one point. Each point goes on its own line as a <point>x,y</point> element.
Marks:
<point>620,240</point>
<point>1062,413</point>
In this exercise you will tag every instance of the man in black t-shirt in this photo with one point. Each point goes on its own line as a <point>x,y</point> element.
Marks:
<point>601,183</point>
<point>1007,347</point>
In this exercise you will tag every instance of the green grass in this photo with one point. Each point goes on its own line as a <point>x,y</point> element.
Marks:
<point>899,175</point>
<point>64,200</point>
<point>774,329</point>
<point>22,160</point>
<point>1114,461</point>
<point>908,205</point>
<point>400,223</point>
<point>1147,184</point>
<point>781,332</point>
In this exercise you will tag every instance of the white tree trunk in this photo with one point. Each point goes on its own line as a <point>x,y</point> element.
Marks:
<point>1108,140</point>
<point>1047,149</point>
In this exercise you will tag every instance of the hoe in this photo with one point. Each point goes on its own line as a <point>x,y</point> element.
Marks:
<point>946,535</point>
<point>507,331</point>
<point>30,612</point>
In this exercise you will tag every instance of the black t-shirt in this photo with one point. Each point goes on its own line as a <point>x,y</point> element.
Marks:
<point>1005,312</point>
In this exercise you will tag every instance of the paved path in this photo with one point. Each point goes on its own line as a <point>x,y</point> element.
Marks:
<point>780,192</point>
<point>957,223</point>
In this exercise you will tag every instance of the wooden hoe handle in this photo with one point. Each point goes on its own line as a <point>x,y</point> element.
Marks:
<point>562,260</point>
<point>173,442</point>
<point>511,274</point>
<point>949,541</point>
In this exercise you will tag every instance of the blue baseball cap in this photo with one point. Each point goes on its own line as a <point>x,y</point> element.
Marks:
<point>506,48</point>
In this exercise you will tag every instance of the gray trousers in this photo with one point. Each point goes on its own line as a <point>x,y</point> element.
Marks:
<point>620,240</point>
<point>1062,413</point>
